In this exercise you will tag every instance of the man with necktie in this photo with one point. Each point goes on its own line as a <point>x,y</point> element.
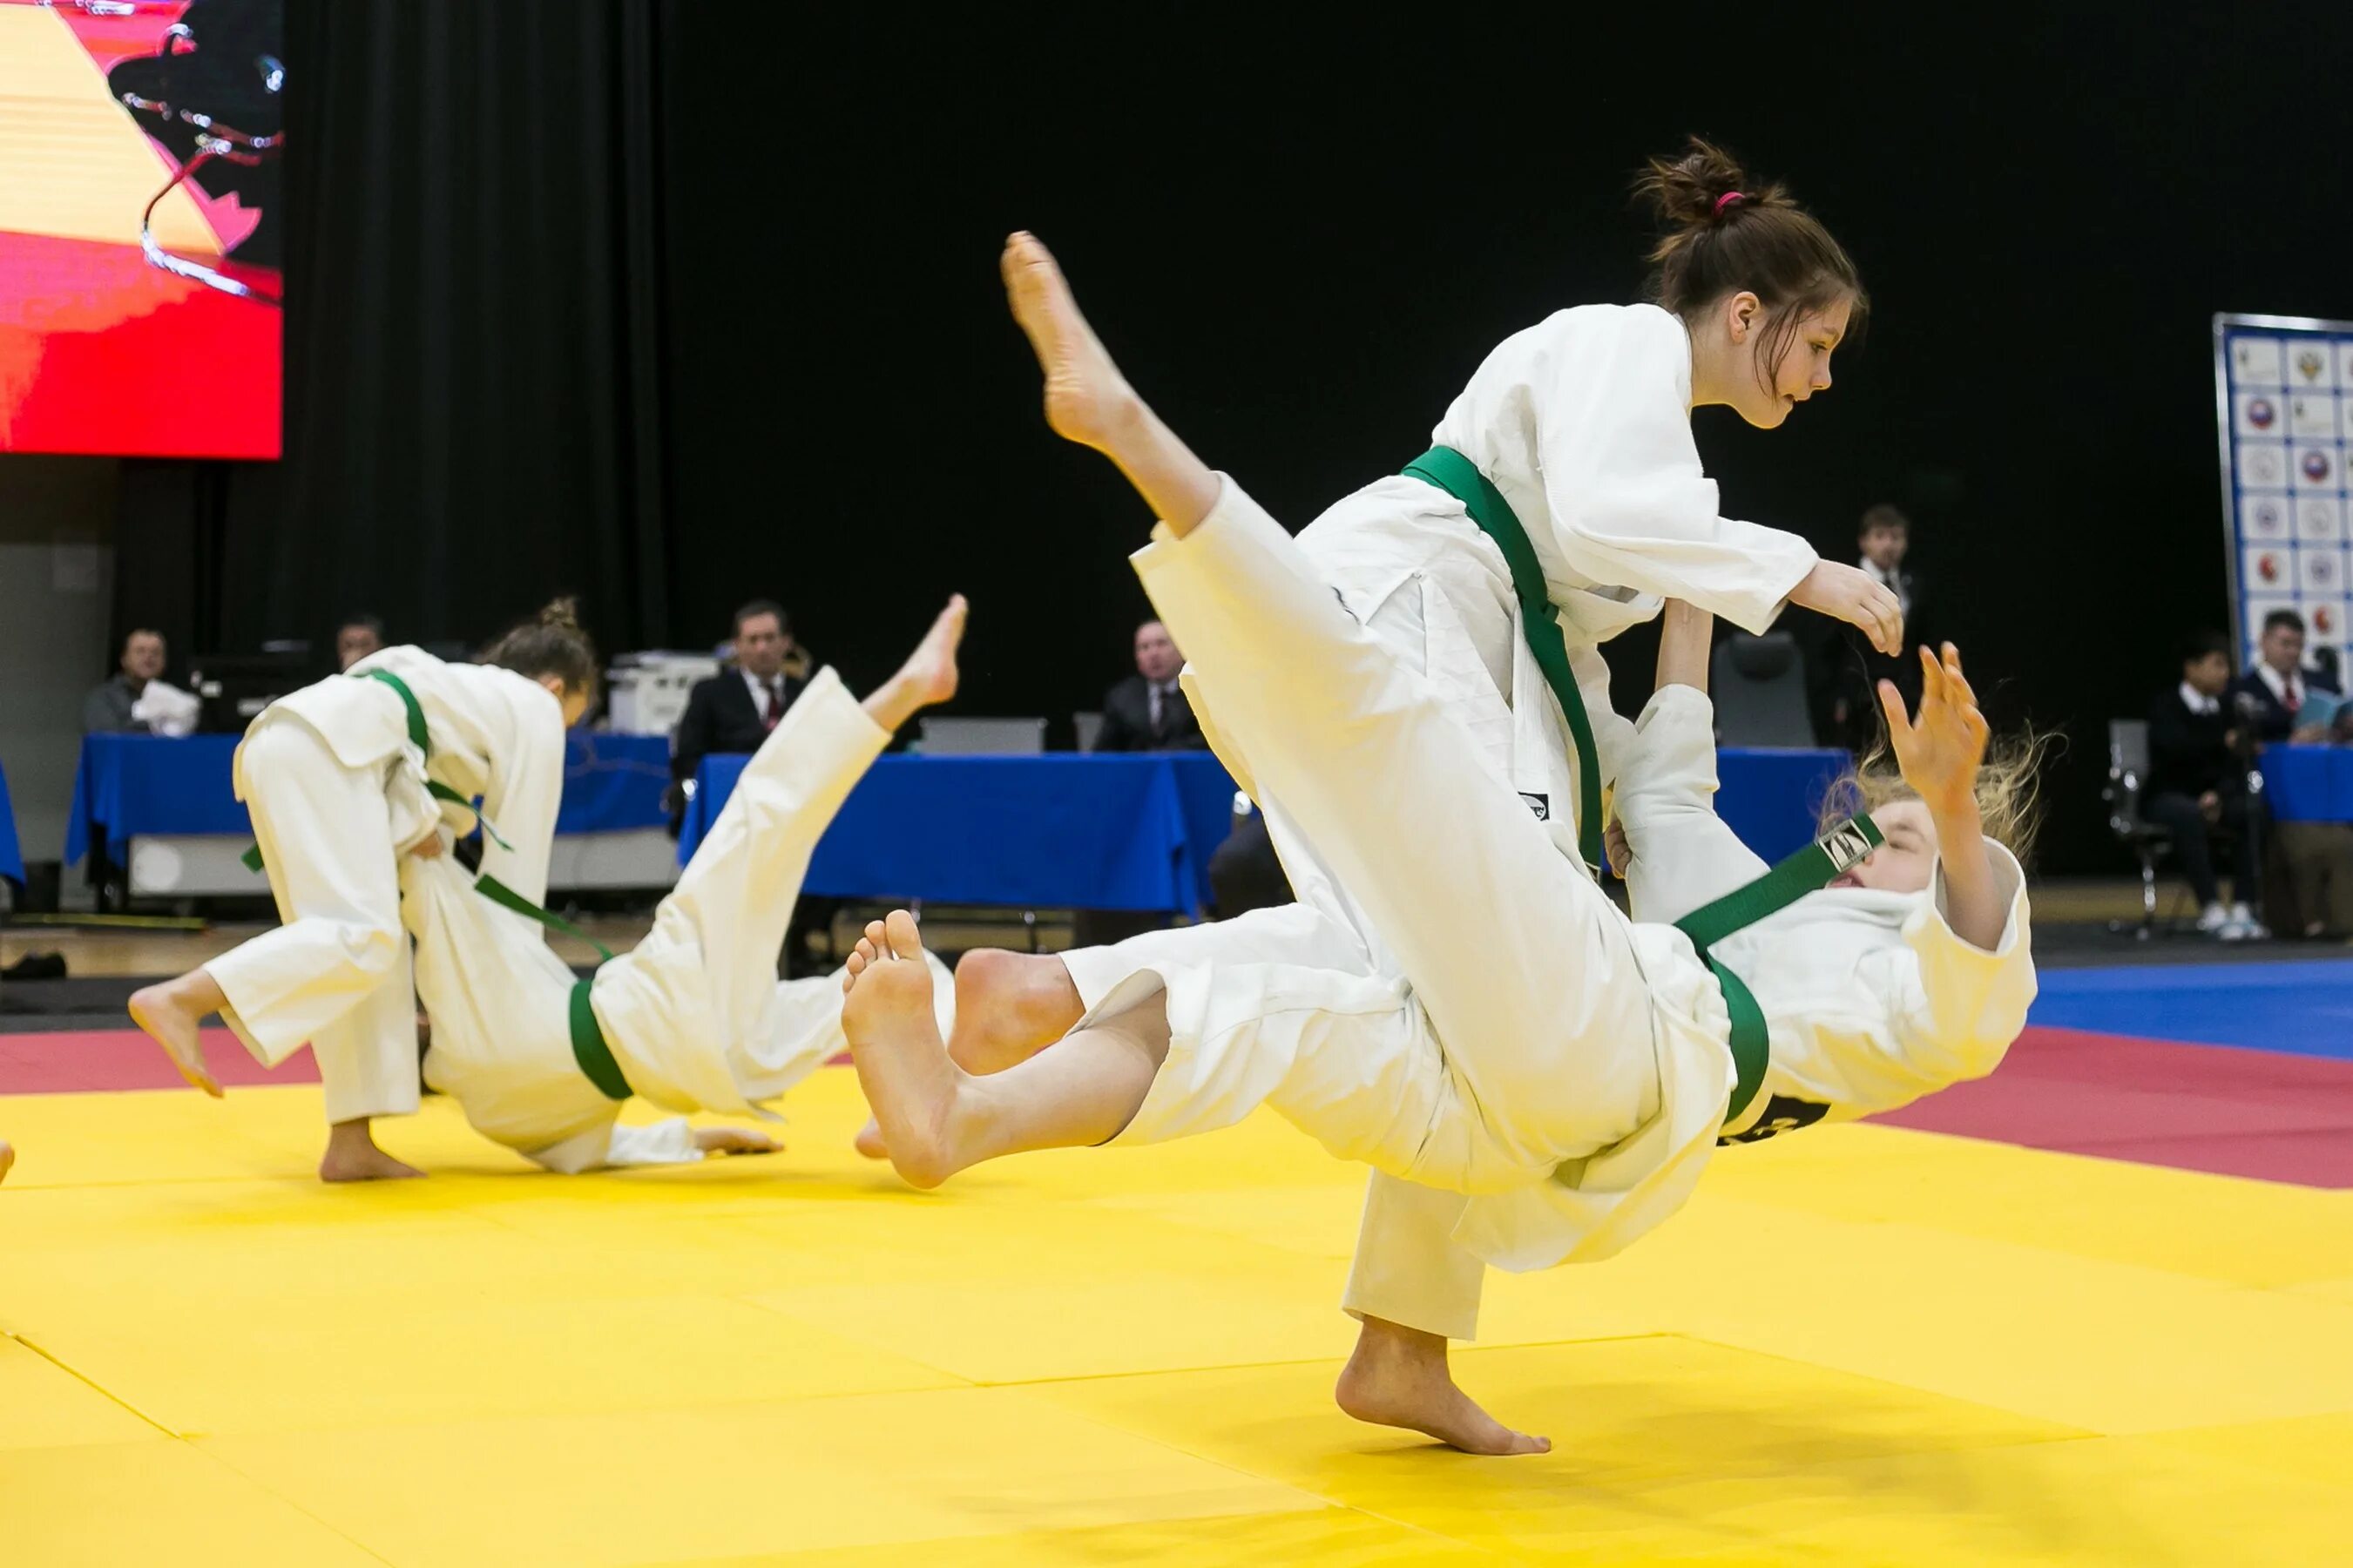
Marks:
<point>733,711</point>
<point>1148,710</point>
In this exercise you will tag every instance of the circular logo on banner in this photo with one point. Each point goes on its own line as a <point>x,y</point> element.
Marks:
<point>2315,466</point>
<point>2267,517</point>
<point>2267,567</point>
<point>2323,620</point>
<point>2309,364</point>
<point>2263,466</point>
<point>2323,570</point>
<point>2262,414</point>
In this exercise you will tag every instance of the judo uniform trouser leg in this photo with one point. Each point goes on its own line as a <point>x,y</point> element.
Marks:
<point>709,962</point>
<point>1527,973</point>
<point>336,972</point>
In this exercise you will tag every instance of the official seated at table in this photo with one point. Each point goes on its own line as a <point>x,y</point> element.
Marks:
<point>136,699</point>
<point>733,711</point>
<point>2278,690</point>
<point>1148,710</point>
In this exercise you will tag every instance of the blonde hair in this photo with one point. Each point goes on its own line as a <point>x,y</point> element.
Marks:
<point>2008,788</point>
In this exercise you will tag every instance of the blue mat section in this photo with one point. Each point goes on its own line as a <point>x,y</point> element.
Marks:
<point>2304,1008</point>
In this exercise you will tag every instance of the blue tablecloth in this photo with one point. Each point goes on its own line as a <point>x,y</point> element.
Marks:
<point>12,858</point>
<point>1122,832</point>
<point>1770,797</point>
<point>129,785</point>
<point>1062,830</point>
<point>2309,784</point>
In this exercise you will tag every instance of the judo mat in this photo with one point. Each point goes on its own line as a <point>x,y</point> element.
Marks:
<point>1860,1345</point>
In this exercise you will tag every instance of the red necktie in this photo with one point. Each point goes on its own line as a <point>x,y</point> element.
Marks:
<point>775,691</point>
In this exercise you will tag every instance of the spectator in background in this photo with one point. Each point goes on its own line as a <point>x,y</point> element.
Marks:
<point>2274,691</point>
<point>735,708</point>
<point>1845,669</point>
<point>107,710</point>
<point>733,711</point>
<point>1149,711</point>
<point>2196,786</point>
<point>357,637</point>
<point>2276,700</point>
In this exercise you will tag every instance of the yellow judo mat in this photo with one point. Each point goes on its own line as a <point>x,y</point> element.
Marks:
<point>1859,1345</point>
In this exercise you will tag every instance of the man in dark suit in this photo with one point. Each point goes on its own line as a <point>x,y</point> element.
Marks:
<point>1148,712</point>
<point>2196,786</point>
<point>733,711</point>
<point>2276,700</point>
<point>735,708</point>
<point>2274,693</point>
<point>1844,671</point>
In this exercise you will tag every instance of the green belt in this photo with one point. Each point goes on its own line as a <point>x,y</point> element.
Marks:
<point>1455,474</point>
<point>588,1043</point>
<point>589,1050</point>
<point>1805,872</point>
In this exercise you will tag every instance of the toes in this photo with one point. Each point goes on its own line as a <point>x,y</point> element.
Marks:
<point>905,940</point>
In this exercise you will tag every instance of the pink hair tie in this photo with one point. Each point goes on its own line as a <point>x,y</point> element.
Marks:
<point>1726,199</point>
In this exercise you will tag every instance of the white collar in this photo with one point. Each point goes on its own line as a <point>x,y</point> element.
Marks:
<point>2277,682</point>
<point>1872,566</point>
<point>2198,701</point>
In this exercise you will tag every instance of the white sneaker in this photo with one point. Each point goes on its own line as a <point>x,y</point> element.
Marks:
<point>2215,920</point>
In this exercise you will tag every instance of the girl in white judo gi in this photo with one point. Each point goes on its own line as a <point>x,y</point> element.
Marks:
<point>1556,1071</point>
<point>341,779</point>
<point>694,1017</point>
<point>1579,431</point>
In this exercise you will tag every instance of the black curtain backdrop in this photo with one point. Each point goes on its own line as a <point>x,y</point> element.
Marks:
<point>675,305</point>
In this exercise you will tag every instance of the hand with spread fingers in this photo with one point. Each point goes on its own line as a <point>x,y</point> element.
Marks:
<point>1941,749</point>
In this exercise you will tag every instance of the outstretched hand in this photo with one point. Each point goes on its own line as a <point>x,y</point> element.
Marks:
<point>1851,595</point>
<point>1941,750</point>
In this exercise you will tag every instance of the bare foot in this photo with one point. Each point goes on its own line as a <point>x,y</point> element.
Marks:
<point>894,1039</point>
<point>1087,400</point>
<point>929,675</point>
<point>352,1156</point>
<point>930,672</point>
<point>7,1157</point>
<point>170,1014</point>
<point>1008,1007</point>
<point>1398,1378</point>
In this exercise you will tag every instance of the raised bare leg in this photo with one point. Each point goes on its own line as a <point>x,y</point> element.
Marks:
<point>1398,1378</point>
<point>929,676</point>
<point>1087,399</point>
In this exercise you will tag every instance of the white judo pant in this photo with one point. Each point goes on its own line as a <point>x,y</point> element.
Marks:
<point>336,972</point>
<point>1515,1034</point>
<point>695,1011</point>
